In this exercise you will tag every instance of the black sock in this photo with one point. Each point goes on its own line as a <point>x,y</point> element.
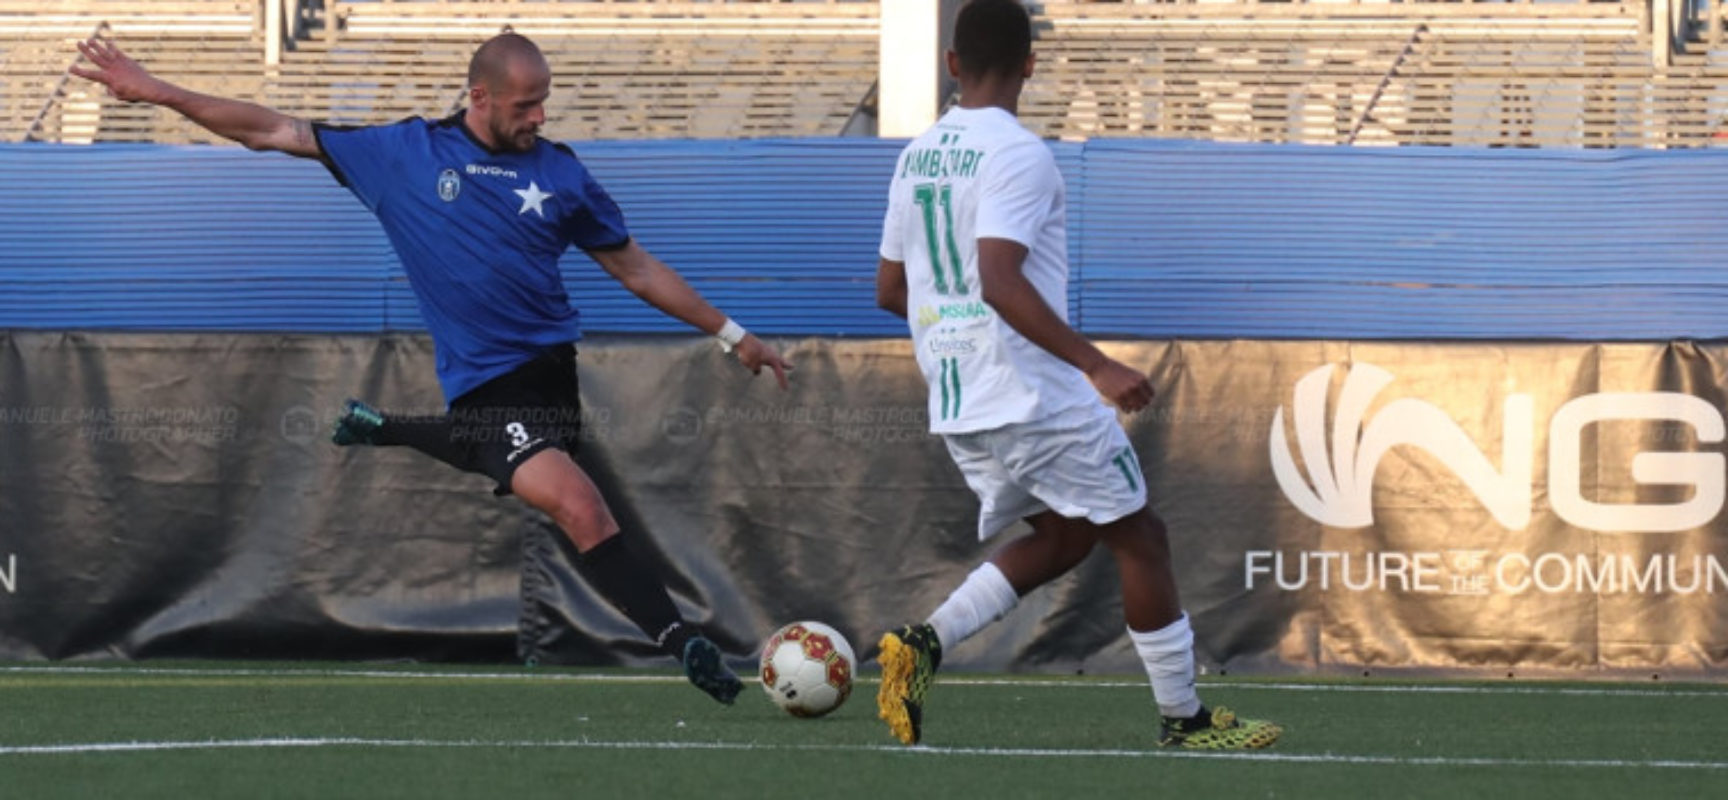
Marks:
<point>627,582</point>
<point>434,436</point>
<point>1201,720</point>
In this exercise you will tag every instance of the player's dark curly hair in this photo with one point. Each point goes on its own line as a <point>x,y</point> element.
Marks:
<point>992,37</point>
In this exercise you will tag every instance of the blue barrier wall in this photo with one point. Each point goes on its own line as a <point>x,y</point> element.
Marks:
<point>1172,239</point>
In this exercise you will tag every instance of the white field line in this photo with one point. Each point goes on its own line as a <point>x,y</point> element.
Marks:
<point>980,752</point>
<point>531,675</point>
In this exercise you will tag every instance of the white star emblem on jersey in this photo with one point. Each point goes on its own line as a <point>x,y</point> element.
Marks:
<point>532,197</point>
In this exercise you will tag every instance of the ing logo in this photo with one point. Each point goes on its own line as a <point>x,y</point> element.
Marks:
<point>1340,459</point>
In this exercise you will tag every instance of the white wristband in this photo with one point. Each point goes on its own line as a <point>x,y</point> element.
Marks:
<point>730,335</point>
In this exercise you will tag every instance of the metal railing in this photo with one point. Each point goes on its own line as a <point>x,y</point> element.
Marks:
<point>57,96</point>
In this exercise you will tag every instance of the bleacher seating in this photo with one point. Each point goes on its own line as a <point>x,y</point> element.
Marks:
<point>1549,74</point>
<point>1556,74</point>
<point>641,70</point>
<point>188,41</point>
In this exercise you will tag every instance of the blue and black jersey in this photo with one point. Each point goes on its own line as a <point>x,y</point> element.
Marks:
<point>479,234</point>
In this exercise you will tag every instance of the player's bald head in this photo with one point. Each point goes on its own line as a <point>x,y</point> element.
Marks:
<point>492,63</point>
<point>508,83</point>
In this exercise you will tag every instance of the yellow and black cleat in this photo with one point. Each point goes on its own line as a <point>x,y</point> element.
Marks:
<point>909,659</point>
<point>1218,729</point>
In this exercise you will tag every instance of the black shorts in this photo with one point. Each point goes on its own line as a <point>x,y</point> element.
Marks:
<point>499,424</point>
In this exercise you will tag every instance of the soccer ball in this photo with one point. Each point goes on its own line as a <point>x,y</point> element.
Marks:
<point>807,669</point>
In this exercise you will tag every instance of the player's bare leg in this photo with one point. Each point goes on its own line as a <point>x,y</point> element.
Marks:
<point>1165,642</point>
<point>1055,546</point>
<point>552,482</point>
<point>1141,548</point>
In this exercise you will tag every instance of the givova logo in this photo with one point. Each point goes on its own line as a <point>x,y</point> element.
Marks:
<point>1340,463</point>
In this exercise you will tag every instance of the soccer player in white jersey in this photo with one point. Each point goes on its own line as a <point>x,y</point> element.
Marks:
<point>974,255</point>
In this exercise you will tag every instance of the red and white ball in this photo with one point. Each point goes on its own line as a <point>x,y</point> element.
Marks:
<point>807,669</point>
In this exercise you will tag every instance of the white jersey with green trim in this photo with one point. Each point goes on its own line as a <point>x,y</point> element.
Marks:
<point>979,174</point>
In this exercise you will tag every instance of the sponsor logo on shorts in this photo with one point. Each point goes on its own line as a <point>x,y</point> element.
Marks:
<point>517,453</point>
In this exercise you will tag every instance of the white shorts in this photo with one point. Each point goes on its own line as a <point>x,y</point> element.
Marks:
<point>1077,463</point>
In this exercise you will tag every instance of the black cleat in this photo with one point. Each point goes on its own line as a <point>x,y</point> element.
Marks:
<point>705,669</point>
<point>358,424</point>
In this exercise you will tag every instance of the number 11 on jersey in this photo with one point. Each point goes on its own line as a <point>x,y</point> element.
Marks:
<point>939,235</point>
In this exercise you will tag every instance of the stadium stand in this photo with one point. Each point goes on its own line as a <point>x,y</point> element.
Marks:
<point>1644,73</point>
<point>1497,74</point>
<point>207,44</point>
<point>638,70</point>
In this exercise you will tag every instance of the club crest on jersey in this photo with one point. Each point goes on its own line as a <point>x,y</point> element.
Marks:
<point>449,185</point>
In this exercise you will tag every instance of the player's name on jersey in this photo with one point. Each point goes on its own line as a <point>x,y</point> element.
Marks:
<point>942,163</point>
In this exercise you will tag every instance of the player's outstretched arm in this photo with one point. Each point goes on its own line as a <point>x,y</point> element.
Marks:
<point>252,125</point>
<point>663,288</point>
<point>1017,301</point>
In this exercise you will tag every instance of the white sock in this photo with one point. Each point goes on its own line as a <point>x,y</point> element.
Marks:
<point>982,599</point>
<point>1168,654</point>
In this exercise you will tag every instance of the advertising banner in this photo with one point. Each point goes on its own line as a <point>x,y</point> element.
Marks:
<point>1530,508</point>
<point>1513,507</point>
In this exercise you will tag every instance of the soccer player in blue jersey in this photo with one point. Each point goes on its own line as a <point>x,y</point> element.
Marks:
<point>479,208</point>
